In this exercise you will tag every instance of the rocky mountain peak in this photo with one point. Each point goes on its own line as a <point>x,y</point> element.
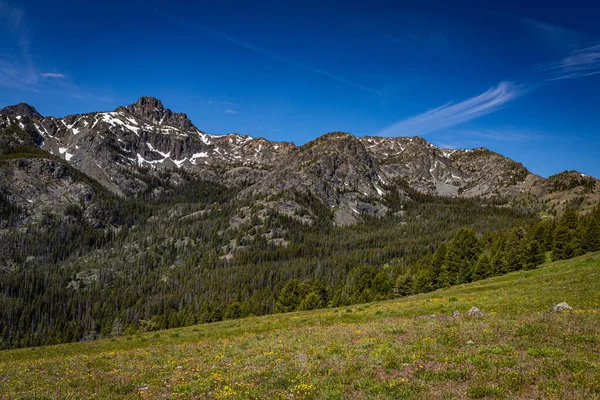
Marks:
<point>149,102</point>
<point>152,110</point>
<point>22,109</point>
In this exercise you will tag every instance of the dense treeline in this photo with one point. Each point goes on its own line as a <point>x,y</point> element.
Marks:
<point>462,259</point>
<point>188,254</point>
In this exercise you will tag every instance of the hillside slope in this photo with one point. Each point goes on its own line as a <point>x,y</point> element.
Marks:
<point>406,348</point>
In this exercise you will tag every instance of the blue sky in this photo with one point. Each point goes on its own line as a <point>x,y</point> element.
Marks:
<point>518,78</point>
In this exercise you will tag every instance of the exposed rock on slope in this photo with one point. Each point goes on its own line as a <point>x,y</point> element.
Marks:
<point>22,109</point>
<point>41,187</point>
<point>337,169</point>
<point>432,170</point>
<point>111,146</point>
<point>124,149</point>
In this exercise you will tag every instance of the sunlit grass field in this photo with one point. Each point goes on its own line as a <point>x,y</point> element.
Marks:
<point>406,348</point>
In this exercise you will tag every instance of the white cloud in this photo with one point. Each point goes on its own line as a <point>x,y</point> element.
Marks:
<point>581,63</point>
<point>229,111</point>
<point>505,135</point>
<point>53,75</point>
<point>450,114</point>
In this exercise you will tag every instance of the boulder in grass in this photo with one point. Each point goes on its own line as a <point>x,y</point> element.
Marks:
<point>561,307</point>
<point>475,312</point>
<point>456,314</point>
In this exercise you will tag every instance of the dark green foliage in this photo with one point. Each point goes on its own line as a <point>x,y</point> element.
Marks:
<point>467,257</point>
<point>290,296</point>
<point>232,311</point>
<point>592,232</point>
<point>165,268</point>
<point>461,255</point>
<point>310,302</point>
<point>562,245</point>
<point>568,180</point>
<point>14,139</point>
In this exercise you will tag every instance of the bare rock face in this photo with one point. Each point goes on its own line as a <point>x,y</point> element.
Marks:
<point>22,109</point>
<point>126,149</point>
<point>42,186</point>
<point>338,170</point>
<point>152,110</point>
<point>429,169</point>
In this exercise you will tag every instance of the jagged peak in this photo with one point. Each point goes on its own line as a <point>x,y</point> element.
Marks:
<point>150,101</point>
<point>22,109</point>
<point>151,109</point>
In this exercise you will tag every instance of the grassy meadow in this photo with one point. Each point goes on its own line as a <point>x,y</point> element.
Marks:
<point>405,348</point>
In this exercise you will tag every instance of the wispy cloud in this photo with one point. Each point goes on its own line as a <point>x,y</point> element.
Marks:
<point>229,111</point>
<point>504,135</point>
<point>432,41</point>
<point>581,63</point>
<point>265,52</point>
<point>53,75</point>
<point>281,58</point>
<point>450,114</point>
<point>584,59</point>
<point>545,27</point>
<point>223,102</point>
<point>556,38</point>
<point>17,69</point>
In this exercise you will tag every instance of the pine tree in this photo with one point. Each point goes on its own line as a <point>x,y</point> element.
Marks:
<point>404,284</point>
<point>232,311</point>
<point>310,302</point>
<point>437,264</point>
<point>290,296</point>
<point>463,250</point>
<point>561,246</point>
<point>534,253</point>
<point>569,218</point>
<point>483,267</point>
<point>117,328</point>
<point>591,240</point>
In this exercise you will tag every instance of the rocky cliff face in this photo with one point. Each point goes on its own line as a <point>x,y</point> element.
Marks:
<point>124,149</point>
<point>336,168</point>
<point>112,147</point>
<point>22,109</point>
<point>42,187</point>
<point>429,169</point>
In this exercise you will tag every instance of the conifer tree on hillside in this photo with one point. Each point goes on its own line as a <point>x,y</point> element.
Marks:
<point>561,246</point>
<point>591,240</point>
<point>461,255</point>
<point>566,244</point>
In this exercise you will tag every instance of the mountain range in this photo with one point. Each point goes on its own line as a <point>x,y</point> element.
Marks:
<point>124,150</point>
<point>136,219</point>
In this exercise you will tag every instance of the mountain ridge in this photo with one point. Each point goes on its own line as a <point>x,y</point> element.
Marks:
<point>171,225</point>
<point>122,148</point>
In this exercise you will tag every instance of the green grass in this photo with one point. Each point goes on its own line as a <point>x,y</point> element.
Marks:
<point>387,350</point>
